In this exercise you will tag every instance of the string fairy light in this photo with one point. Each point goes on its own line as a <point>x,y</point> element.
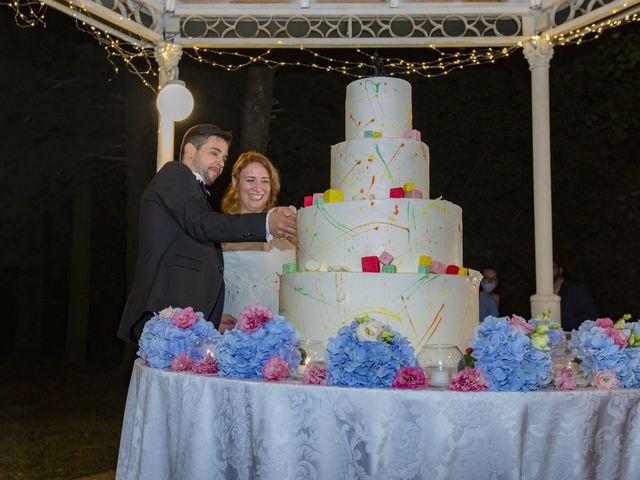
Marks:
<point>138,57</point>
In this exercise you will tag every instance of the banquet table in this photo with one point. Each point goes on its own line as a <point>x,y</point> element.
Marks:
<point>188,426</point>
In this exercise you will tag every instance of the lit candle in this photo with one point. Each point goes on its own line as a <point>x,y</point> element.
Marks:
<point>439,377</point>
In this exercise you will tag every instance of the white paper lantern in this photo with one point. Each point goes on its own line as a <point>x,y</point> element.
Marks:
<point>175,101</point>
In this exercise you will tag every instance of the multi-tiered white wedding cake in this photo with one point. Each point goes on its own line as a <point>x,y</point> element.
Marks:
<point>330,289</point>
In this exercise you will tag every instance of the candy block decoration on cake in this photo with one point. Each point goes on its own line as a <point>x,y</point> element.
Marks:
<point>426,308</point>
<point>318,198</point>
<point>396,192</point>
<point>308,201</point>
<point>370,264</point>
<point>412,134</point>
<point>437,267</point>
<point>415,193</point>
<point>332,195</point>
<point>385,257</point>
<point>452,269</point>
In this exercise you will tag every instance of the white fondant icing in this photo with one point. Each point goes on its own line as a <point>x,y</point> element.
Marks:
<point>427,309</point>
<point>343,233</point>
<point>361,168</point>
<point>378,104</point>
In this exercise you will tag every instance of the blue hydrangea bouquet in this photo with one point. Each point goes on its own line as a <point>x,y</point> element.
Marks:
<point>614,347</point>
<point>173,332</point>
<point>513,353</point>
<point>261,345</point>
<point>367,353</point>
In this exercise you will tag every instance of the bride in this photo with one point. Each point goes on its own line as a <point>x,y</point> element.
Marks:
<point>251,269</point>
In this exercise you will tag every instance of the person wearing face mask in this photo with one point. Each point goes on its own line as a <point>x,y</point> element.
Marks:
<point>252,269</point>
<point>576,303</point>
<point>488,298</point>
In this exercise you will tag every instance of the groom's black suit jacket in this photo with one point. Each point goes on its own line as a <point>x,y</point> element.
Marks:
<point>179,255</point>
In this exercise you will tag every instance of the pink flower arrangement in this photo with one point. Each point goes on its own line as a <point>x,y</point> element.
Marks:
<point>410,377</point>
<point>181,363</point>
<point>275,369</point>
<point>315,375</point>
<point>470,379</point>
<point>253,318</point>
<point>565,380</point>
<point>604,323</point>
<point>519,324</point>
<point>185,318</point>
<point>618,336</point>
<point>208,366</point>
<point>605,380</point>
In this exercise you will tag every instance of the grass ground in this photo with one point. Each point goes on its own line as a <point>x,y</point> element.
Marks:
<point>60,422</point>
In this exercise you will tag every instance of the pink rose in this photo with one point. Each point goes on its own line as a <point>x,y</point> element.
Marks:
<point>618,336</point>
<point>315,375</point>
<point>410,377</point>
<point>275,369</point>
<point>181,363</point>
<point>252,318</point>
<point>470,379</point>
<point>565,380</point>
<point>519,324</point>
<point>605,380</point>
<point>185,318</point>
<point>604,322</point>
<point>208,366</point>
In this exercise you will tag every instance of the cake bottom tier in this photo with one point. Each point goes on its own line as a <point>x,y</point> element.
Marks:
<point>427,309</point>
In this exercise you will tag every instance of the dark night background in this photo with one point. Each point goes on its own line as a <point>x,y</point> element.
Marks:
<point>71,127</point>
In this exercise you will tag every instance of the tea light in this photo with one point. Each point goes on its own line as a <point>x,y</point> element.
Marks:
<point>439,377</point>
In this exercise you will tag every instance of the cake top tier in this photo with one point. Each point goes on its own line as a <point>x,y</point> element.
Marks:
<point>378,104</point>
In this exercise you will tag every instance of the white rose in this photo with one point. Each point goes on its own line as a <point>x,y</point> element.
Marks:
<point>369,331</point>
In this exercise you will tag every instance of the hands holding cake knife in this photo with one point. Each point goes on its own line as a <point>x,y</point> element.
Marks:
<point>282,223</point>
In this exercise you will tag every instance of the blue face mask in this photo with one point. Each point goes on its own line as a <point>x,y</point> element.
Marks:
<point>488,287</point>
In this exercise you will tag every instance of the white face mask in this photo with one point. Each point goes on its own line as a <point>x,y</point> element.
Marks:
<point>488,287</point>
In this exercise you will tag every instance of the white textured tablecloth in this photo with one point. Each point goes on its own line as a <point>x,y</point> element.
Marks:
<point>185,426</point>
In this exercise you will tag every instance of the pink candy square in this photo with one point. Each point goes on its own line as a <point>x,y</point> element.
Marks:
<point>385,257</point>
<point>412,134</point>
<point>413,194</point>
<point>437,267</point>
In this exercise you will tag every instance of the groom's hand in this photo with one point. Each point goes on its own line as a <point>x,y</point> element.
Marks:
<point>282,222</point>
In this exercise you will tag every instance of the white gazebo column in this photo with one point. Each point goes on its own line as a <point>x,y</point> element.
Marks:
<point>167,55</point>
<point>538,53</point>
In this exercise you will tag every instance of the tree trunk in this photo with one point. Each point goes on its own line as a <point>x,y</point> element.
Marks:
<point>75,347</point>
<point>256,111</point>
<point>28,337</point>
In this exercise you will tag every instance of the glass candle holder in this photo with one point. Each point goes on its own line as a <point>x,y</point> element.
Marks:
<point>312,352</point>
<point>203,347</point>
<point>577,359</point>
<point>440,363</point>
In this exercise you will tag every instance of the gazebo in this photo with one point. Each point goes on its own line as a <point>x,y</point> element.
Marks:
<point>164,29</point>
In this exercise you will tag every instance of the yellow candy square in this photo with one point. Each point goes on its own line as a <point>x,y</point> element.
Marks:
<point>332,195</point>
<point>424,260</point>
<point>463,271</point>
<point>409,186</point>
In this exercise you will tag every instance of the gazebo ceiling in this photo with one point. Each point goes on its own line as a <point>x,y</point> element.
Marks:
<point>339,23</point>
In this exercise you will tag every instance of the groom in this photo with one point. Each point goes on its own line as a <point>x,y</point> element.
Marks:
<point>179,256</point>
